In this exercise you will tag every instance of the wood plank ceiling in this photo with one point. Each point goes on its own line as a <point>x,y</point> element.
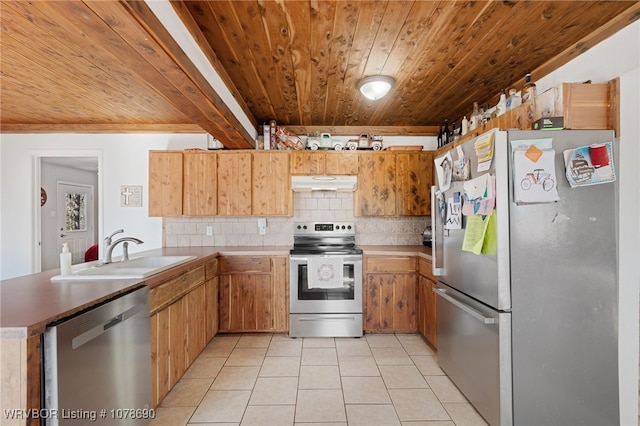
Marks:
<point>111,66</point>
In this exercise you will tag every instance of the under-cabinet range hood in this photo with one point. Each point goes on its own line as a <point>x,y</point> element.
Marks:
<point>323,183</point>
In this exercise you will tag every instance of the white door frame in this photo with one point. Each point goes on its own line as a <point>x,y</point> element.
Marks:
<point>36,156</point>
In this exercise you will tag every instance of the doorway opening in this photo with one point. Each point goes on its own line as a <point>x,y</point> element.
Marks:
<point>69,186</point>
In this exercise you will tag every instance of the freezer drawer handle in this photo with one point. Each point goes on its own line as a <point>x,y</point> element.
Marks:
<point>468,309</point>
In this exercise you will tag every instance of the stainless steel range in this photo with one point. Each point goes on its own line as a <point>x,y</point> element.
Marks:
<point>325,281</point>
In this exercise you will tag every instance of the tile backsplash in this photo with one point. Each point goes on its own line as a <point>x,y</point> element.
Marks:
<point>314,207</point>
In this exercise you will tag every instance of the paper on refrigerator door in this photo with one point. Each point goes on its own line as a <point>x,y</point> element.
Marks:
<point>479,195</point>
<point>484,152</point>
<point>474,234</point>
<point>461,166</point>
<point>444,168</point>
<point>454,212</point>
<point>581,171</point>
<point>534,175</point>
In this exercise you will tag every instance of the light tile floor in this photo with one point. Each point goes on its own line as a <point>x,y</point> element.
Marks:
<point>273,380</point>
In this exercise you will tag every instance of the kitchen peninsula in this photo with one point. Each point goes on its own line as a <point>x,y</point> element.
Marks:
<point>31,302</point>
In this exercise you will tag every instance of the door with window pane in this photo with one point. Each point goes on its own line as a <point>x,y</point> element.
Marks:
<point>75,218</point>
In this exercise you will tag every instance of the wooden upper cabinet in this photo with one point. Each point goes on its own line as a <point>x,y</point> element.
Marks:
<point>200,183</point>
<point>234,183</point>
<point>341,163</point>
<point>271,193</point>
<point>165,183</point>
<point>394,184</point>
<point>307,162</point>
<point>414,171</point>
<point>258,183</point>
<point>376,194</point>
<point>324,163</point>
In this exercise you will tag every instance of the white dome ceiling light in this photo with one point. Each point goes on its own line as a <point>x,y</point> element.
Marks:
<point>376,86</point>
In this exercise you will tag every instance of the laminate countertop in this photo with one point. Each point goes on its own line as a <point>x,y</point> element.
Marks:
<point>30,302</point>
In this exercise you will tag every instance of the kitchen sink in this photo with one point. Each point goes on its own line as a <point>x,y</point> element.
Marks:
<point>139,267</point>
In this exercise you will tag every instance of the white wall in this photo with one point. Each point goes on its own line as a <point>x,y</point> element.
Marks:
<point>124,159</point>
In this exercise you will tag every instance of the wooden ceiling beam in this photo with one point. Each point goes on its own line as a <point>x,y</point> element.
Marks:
<point>136,24</point>
<point>192,26</point>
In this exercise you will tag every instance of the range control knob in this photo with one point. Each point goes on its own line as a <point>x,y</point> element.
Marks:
<point>349,227</point>
<point>304,227</point>
<point>299,227</point>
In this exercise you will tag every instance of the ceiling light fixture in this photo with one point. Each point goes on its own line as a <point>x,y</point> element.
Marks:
<point>376,86</point>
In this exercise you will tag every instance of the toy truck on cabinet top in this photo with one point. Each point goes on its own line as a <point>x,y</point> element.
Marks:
<point>323,141</point>
<point>365,141</point>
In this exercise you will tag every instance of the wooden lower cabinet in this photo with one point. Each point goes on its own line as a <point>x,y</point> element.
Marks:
<point>389,293</point>
<point>427,318</point>
<point>390,303</point>
<point>253,294</point>
<point>211,308</point>
<point>196,325</point>
<point>21,380</point>
<point>182,311</point>
<point>427,313</point>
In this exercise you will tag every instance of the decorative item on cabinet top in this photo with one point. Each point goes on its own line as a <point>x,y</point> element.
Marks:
<point>279,137</point>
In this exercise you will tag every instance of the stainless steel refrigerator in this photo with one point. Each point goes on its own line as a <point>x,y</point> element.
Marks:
<point>528,329</point>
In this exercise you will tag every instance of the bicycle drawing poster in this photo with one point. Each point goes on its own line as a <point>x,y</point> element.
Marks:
<point>534,175</point>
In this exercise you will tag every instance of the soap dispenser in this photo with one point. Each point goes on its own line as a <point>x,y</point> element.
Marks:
<point>65,260</point>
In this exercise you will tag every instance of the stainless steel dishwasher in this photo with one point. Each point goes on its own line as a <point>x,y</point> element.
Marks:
<point>97,365</point>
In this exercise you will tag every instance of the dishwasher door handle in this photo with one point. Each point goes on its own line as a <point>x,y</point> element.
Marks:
<point>99,329</point>
<point>468,309</point>
<point>113,321</point>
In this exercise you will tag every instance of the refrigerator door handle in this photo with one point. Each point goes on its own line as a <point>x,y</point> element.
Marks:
<point>468,309</point>
<point>436,270</point>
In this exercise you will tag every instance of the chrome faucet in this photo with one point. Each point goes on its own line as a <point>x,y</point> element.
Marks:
<point>125,248</point>
<point>108,239</point>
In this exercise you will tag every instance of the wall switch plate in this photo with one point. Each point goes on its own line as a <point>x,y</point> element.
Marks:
<point>209,231</point>
<point>262,225</point>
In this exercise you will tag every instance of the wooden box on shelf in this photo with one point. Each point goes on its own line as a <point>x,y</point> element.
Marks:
<point>582,106</point>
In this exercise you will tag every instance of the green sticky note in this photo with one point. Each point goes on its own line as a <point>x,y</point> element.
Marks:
<point>490,245</point>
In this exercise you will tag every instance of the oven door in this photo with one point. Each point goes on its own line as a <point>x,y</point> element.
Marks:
<point>325,284</point>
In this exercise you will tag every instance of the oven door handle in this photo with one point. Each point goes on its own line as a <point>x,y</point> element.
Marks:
<point>345,258</point>
<point>323,318</point>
